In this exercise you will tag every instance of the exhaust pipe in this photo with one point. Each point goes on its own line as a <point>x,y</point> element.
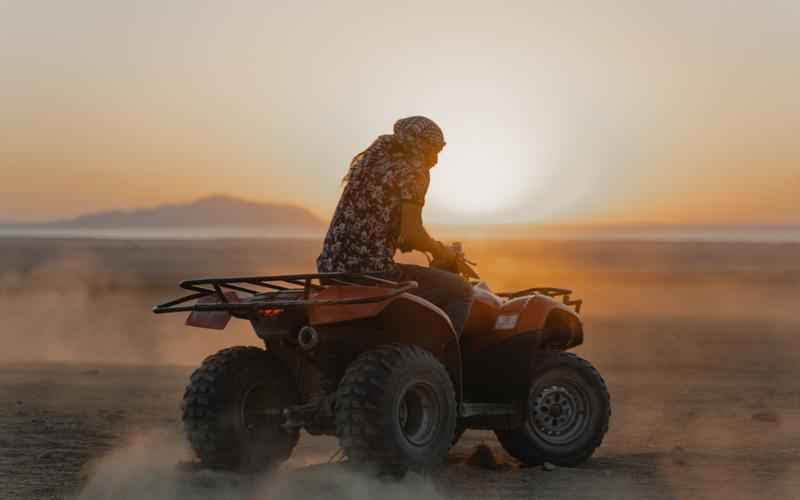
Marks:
<point>307,338</point>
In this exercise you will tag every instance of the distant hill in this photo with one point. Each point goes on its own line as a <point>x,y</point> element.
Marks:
<point>206,212</point>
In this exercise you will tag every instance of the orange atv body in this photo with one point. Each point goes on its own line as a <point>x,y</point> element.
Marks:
<point>319,330</point>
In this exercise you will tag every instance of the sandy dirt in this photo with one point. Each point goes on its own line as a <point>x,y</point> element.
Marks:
<point>99,431</point>
<point>698,347</point>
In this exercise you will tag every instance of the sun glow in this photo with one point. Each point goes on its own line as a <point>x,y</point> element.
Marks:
<point>481,180</point>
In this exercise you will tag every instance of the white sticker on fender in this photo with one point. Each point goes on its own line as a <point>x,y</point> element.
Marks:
<point>506,321</point>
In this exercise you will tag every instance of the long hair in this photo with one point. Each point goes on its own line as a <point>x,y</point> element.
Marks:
<point>380,149</point>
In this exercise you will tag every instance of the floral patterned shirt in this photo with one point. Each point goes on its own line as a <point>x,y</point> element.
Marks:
<point>362,237</point>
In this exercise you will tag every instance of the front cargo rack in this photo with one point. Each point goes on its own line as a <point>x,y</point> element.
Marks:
<point>275,292</point>
<point>550,292</point>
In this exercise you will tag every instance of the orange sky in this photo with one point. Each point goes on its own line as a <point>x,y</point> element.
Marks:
<point>669,112</point>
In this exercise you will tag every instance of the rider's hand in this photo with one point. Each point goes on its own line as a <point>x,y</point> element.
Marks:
<point>465,270</point>
<point>444,254</point>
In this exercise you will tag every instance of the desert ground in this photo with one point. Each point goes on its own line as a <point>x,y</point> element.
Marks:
<point>698,343</point>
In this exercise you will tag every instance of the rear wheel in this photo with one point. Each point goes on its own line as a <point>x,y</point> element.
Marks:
<point>232,410</point>
<point>396,409</point>
<point>568,412</point>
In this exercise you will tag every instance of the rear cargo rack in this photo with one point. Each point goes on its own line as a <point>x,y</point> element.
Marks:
<point>275,292</point>
<point>550,292</point>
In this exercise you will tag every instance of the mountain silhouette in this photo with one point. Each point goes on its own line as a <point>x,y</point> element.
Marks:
<point>211,211</point>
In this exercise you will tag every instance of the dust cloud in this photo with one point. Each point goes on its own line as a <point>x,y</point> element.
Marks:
<point>646,303</point>
<point>70,309</point>
<point>154,466</point>
<point>92,303</point>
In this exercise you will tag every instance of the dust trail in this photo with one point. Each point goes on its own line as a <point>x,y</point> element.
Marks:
<point>155,466</point>
<point>90,301</point>
<point>76,308</point>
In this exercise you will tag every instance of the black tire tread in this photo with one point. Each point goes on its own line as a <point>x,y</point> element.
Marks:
<point>359,398</point>
<point>202,406</point>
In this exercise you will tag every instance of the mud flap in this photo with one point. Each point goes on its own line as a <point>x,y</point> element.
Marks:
<point>214,320</point>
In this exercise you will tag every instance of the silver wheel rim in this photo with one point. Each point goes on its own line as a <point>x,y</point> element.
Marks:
<point>418,414</point>
<point>559,413</point>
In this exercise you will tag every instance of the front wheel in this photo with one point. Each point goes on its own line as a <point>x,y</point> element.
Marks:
<point>568,412</point>
<point>396,410</point>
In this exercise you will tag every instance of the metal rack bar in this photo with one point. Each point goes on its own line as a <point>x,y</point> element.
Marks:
<point>303,286</point>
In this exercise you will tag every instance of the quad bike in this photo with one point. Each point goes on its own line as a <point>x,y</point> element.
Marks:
<point>364,359</point>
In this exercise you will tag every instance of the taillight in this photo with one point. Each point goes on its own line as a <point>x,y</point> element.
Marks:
<point>270,313</point>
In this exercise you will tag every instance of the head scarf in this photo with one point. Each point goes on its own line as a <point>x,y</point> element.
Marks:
<point>414,137</point>
<point>419,132</point>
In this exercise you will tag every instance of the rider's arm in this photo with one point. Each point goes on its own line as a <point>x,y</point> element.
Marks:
<point>413,184</point>
<point>413,234</point>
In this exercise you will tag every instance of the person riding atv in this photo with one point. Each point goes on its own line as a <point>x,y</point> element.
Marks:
<point>380,211</point>
<point>395,361</point>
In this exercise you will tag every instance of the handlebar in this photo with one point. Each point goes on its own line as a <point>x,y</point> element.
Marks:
<point>460,265</point>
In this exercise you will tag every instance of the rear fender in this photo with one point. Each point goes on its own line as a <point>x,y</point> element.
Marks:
<point>405,319</point>
<point>413,320</point>
<point>326,314</point>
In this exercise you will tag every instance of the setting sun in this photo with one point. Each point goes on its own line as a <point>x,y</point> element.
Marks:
<point>483,173</point>
<point>474,188</point>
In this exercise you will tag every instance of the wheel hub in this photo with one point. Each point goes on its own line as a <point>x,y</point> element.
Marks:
<point>558,413</point>
<point>418,414</point>
<point>555,411</point>
<point>258,410</point>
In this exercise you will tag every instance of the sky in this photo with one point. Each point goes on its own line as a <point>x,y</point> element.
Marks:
<point>623,112</point>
